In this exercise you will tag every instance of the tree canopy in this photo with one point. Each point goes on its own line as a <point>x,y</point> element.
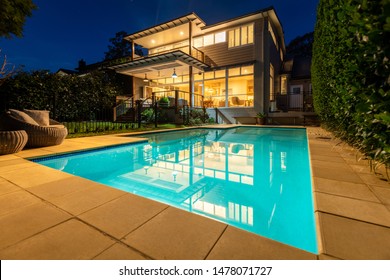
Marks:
<point>120,47</point>
<point>13,15</point>
<point>301,45</point>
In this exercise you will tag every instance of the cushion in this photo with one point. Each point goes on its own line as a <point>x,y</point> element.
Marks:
<point>41,117</point>
<point>57,125</point>
<point>23,117</point>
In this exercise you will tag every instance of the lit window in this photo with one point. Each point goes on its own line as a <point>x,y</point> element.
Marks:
<point>244,35</point>
<point>250,34</point>
<point>208,40</point>
<point>241,36</point>
<point>220,74</point>
<point>231,38</point>
<point>209,75</point>
<point>237,37</point>
<point>234,72</point>
<point>220,37</point>
<point>198,42</point>
<point>247,70</point>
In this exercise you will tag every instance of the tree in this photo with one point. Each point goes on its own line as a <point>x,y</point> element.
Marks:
<point>5,70</point>
<point>120,47</point>
<point>301,45</point>
<point>13,14</point>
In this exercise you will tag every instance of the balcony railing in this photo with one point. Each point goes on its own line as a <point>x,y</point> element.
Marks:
<point>199,55</point>
<point>292,101</point>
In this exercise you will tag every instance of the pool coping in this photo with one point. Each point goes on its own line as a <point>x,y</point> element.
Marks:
<point>335,220</point>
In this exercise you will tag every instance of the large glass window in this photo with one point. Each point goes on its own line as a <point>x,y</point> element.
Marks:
<point>220,37</point>
<point>214,93</point>
<point>241,36</point>
<point>240,93</point>
<point>208,40</point>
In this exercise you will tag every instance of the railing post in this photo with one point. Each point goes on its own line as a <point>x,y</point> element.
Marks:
<point>176,100</point>
<point>139,109</point>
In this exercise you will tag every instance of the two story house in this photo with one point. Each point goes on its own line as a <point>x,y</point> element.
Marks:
<point>233,67</point>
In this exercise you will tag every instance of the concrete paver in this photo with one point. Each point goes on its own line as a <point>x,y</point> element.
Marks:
<point>247,246</point>
<point>176,234</point>
<point>121,216</point>
<point>69,240</point>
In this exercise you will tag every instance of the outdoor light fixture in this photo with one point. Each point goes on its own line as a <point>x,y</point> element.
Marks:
<point>146,79</point>
<point>174,174</point>
<point>174,74</point>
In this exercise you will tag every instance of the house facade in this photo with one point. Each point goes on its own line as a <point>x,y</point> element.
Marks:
<point>234,64</point>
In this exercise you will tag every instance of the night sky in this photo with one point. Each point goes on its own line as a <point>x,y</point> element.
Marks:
<point>61,32</point>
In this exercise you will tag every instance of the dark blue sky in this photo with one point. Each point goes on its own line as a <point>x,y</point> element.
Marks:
<point>61,32</point>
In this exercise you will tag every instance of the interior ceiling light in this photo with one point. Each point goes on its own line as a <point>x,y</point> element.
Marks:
<point>146,79</point>
<point>174,74</point>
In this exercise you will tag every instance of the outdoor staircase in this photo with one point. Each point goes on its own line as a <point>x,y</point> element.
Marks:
<point>129,116</point>
<point>227,115</point>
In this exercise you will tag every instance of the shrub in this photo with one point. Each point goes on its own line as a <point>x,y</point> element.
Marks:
<point>350,73</point>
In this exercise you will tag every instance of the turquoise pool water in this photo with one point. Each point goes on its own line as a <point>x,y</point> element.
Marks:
<point>257,179</point>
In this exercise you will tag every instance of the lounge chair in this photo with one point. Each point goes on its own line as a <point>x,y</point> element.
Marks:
<point>41,130</point>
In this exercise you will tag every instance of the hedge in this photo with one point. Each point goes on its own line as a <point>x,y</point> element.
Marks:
<point>350,73</point>
<point>67,97</point>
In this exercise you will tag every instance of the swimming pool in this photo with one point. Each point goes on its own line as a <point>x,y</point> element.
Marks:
<point>256,179</point>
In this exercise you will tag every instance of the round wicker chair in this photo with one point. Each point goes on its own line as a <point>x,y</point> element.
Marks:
<point>12,141</point>
<point>38,136</point>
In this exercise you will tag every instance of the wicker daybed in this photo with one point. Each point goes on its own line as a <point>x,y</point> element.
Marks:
<point>41,130</point>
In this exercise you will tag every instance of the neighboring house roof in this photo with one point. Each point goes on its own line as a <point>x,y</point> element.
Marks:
<point>63,71</point>
<point>298,67</point>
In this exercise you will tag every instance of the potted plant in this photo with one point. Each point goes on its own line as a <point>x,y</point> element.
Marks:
<point>260,118</point>
<point>163,101</point>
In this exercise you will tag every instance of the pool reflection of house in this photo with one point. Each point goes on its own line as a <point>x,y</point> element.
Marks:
<point>234,65</point>
<point>227,179</point>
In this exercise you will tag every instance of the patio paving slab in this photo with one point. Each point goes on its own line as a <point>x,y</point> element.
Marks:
<point>335,174</point>
<point>383,194</point>
<point>13,201</point>
<point>347,189</point>
<point>7,187</point>
<point>81,201</point>
<point>120,251</point>
<point>353,240</point>
<point>34,175</point>
<point>237,244</point>
<point>62,187</point>
<point>121,216</point>
<point>14,164</point>
<point>371,179</point>
<point>27,221</point>
<point>176,234</point>
<point>69,240</point>
<point>353,208</point>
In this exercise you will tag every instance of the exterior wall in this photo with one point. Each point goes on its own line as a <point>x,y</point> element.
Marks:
<point>220,54</point>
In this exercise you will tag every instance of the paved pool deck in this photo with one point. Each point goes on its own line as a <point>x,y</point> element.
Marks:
<point>48,214</point>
